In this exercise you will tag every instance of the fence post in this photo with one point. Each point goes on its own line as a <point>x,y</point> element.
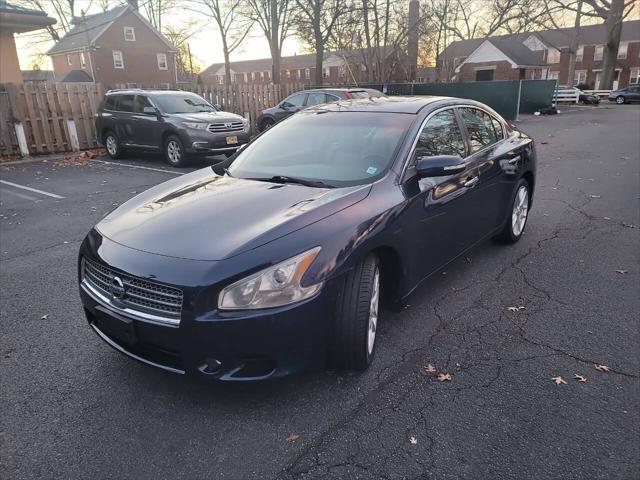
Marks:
<point>12,91</point>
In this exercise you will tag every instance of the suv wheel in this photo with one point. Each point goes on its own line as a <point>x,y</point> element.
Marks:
<point>619,99</point>
<point>112,145</point>
<point>174,152</point>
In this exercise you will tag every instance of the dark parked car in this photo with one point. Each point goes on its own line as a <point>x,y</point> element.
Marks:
<point>625,95</point>
<point>177,123</point>
<point>306,98</point>
<point>283,261</point>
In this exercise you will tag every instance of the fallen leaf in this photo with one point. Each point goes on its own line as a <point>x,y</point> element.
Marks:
<point>515,308</point>
<point>579,377</point>
<point>595,196</point>
<point>602,368</point>
<point>607,218</point>
<point>413,441</point>
<point>444,377</point>
<point>292,437</point>
<point>558,380</point>
<point>430,368</point>
<point>622,272</point>
<point>44,317</point>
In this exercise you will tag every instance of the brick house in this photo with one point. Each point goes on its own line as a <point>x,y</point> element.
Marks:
<point>338,68</point>
<point>118,46</point>
<point>552,48</point>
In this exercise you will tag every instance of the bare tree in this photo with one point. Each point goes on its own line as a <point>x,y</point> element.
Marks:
<point>275,20</point>
<point>232,26</point>
<point>315,21</point>
<point>155,11</point>
<point>179,36</point>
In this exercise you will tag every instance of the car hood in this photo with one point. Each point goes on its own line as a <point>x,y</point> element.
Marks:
<point>204,216</point>
<point>208,117</point>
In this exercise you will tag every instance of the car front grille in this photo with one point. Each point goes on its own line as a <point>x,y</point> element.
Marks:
<point>138,294</point>
<point>226,127</point>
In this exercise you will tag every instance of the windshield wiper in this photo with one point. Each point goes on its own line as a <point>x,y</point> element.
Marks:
<point>300,181</point>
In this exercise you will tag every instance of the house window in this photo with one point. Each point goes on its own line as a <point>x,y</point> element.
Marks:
<point>83,63</point>
<point>118,61</point>
<point>553,56</point>
<point>220,79</point>
<point>580,53</point>
<point>129,34</point>
<point>69,59</point>
<point>288,73</point>
<point>326,72</point>
<point>553,75</point>
<point>246,78</point>
<point>307,73</point>
<point>162,61</point>
<point>599,52</point>
<point>634,78</point>
<point>622,51</point>
<point>580,77</point>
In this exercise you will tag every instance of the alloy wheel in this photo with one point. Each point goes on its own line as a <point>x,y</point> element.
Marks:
<point>173,151</point>
<point>112,145</point>
<point>373,312</point>
<point>520,211</point>
<point>620,100</point>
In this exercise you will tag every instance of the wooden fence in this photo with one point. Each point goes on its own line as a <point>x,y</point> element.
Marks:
<point>41,118</point>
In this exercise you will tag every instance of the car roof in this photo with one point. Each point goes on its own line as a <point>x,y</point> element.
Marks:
<point>133,91</point>
<point>334,89</point>
<point>411,105</point>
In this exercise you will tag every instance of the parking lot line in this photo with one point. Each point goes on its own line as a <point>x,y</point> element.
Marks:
<point>137,166</point>
<point>17,194</point>
<point>35,190</point>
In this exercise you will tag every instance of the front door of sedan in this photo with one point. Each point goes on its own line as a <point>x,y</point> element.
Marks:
<point>439,222</point>
<point>290,105</point>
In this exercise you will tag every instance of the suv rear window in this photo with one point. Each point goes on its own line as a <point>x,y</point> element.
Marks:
<point>110,102</point>
<point>125,103</point>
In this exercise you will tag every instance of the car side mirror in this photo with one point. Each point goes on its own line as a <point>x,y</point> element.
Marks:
<point>284,106</point>
<point>439,166</point>
<point>150,111</point>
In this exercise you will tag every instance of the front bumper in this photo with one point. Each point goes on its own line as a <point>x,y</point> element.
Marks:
<point>204,142</point>
<point>222,346</point>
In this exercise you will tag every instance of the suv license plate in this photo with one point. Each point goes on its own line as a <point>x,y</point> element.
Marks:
<point>232,140</point>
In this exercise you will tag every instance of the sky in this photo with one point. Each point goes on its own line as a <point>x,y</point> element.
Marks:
<point>205,44</point>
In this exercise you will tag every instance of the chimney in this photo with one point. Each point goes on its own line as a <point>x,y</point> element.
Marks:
<point>133,3</point>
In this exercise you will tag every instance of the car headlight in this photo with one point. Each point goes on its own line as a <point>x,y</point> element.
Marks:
<point>196,126</point>
<point>275,286</point>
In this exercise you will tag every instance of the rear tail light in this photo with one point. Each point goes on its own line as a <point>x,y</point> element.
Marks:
<point>347,95</point>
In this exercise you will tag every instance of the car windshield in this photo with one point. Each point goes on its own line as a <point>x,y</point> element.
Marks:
<point>183,103</point>
<point>334,148</point>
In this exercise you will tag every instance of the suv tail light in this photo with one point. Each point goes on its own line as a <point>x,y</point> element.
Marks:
<point>347,95</point>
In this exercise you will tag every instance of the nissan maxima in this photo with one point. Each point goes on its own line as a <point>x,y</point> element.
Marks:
<point>283,261</point>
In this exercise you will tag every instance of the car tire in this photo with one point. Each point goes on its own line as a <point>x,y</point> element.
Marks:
<point>517,215</point>
<point>620,99</point>
<point>174,152</point>
<point>353,333</point>
<point>266,124</point>
<point>112,145</point>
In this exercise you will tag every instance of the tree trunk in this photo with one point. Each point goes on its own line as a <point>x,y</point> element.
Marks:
<point>227,63</point>
<point>613,28</point>
<point>274,44</point>
<point>319,59</point>
<point>573,48</point>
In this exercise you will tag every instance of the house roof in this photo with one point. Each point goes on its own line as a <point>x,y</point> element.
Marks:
<point>518,52</point>
<point>293,62</point>
<point>560,38</point>
<point>86,31</point>
<point>37,75</point>
<point>18,19</point>
<point>75,76</point>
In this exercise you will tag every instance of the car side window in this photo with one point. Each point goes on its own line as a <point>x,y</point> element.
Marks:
<point>316,99</point>
<point>110,102</point>
<point>480,127</point>
<point>332,98</point>
<point>141,102</point>
<point>125,104</point>
<point>441,135</point>
<point>296,100</point>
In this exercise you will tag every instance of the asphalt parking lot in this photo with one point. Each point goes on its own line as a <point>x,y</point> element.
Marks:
<point>70,407</point>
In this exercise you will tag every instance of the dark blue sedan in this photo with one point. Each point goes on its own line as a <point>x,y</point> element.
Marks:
<point>282,261</point>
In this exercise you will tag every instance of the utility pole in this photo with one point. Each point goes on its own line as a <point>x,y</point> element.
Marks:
<point>190,62</point>
<point>573,48</point>
<point>88,47</point>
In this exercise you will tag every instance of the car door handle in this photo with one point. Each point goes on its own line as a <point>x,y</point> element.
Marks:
<point>471,182</point>
<point>514,160</point>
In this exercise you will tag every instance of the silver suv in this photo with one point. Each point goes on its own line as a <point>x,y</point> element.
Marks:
<point>179,124</point>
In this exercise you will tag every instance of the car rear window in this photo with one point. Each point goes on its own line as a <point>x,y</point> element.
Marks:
<point>110,102</point>
<point>358,94</point>
<point>125,103</point>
